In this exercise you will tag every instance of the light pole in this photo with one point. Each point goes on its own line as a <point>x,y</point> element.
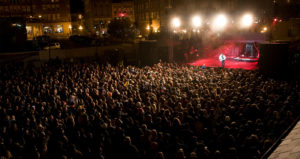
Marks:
<point>70,29</point>
<point>196,24</point>
<point>150,29</point>
<point>175,23</point>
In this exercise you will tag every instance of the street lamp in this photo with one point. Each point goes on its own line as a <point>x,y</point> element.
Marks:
<point>175,23</point>
<point>70,29</point>
<point>264,29</point>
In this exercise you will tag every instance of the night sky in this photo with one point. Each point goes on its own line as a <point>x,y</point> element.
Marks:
<point>77,6</point>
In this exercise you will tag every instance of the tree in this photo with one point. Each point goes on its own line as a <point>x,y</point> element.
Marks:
<point>121,28</point>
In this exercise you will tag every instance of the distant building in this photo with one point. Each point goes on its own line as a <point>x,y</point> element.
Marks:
<point>98,14</point>
<point>150,15</point>
<point>123,9</point>
<point>285,24</point>
<point>153,15</point>
<point>43,17</point>
<point>78,23</point>
<point>286,30</point>
<point>20,9</point>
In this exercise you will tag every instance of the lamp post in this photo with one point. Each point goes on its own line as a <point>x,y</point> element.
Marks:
<point>196,24</point>
<point>175,23</point>
<point>80,28</point>
<point>70,29</point>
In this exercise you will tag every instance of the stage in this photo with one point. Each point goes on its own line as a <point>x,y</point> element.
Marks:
<point>240,54</point>
<point>242,63</point>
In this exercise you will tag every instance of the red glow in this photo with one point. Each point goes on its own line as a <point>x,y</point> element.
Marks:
<point>122,14</point>
<point>230,63</point>
<point>232,51</point>
<point>275,20</point>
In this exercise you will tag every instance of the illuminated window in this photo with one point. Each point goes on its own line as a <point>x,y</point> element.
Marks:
<point>59,29</point>
<point>47,30</point>
<point>29,29</point>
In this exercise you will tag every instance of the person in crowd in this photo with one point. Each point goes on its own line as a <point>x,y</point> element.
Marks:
<point>83,109</point>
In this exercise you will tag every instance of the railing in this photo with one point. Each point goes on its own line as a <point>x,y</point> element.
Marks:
<point>279,140</point>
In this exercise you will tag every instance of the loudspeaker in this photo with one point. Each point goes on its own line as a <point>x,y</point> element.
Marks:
<point>150,53</point>
<point>273,59</point>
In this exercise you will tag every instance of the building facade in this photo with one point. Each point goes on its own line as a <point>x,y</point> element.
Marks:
<point>151,15</point>
<point>43,17</point>
<point>98,15</point>
<point>14,9</point>
<point>123,9</point>
<point>78,22</point>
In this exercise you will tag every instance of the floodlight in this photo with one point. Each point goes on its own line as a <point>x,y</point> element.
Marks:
<point>176,22</point>
<point>246,20</point>
<point>219,22</point>
<point>196,21</point>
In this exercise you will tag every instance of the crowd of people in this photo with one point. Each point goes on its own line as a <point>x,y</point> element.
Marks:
<point>75,110</point>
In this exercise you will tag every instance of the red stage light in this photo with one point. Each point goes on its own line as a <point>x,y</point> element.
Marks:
<point>122,14</point>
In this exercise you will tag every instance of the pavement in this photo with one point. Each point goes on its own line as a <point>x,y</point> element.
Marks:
<point>290,146</point>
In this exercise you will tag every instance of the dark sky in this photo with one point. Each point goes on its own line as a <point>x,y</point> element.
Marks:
<point>76,6</point>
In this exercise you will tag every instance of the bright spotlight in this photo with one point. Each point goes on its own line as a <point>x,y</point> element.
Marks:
<point>176,22</point>
<point>148,27</point>
<point>264,29</point>
<point>196,20</point>
<point>220,22</point>
<point>247,20</point>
